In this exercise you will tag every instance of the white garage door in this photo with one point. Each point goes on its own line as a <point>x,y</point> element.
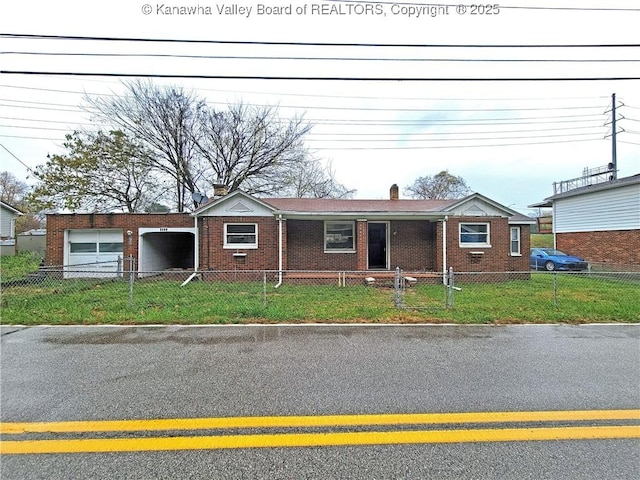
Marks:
<point>93,253</point>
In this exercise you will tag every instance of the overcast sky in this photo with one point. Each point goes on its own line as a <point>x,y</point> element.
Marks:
<point>509,140</point>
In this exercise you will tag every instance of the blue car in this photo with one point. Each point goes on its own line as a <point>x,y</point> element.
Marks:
<point>551,259</point>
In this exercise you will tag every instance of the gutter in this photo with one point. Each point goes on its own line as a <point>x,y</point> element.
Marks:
<point>196,253</point>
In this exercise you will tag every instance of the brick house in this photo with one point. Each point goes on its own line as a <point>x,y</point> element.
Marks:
<point>241,232</point>
<point>599,222</point>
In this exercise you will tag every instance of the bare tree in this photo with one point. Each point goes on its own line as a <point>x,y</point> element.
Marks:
<point>163,119</point>
<point>438,187</point>
<point>12,190</point>
<point>252,148</point>
<point>195,147</point>
<point>314,179</point>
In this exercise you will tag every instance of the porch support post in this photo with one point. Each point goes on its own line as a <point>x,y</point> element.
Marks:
<point>361,244</point>
<point>282,260</point>
<point>196,246</point>
<point>444,249</point>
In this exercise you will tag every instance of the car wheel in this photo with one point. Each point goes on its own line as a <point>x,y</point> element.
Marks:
<point>550,266</point>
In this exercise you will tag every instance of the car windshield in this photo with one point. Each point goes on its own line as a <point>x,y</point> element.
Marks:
<point>553,251</point>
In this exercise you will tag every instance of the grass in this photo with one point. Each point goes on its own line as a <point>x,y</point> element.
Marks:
<point>15,267</point>
<point>542,240</point>
<point>580,298</point>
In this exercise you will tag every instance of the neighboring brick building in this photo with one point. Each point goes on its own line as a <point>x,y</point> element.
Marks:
<point>599,222</point>
<point>241,232</point>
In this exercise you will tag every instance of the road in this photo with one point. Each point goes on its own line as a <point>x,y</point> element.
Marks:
<point>358,402</point>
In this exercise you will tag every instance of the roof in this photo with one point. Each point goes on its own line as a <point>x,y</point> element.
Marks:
<point>598,187</point>
<point>10,208</point>
<point>307,208</point>
<point>341,205</point>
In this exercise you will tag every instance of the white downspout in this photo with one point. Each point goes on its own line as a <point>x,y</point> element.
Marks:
<point>196,254</point>
<point>279,252</point>
<point>444,249</point>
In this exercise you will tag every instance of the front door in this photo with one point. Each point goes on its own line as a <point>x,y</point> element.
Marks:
<point>377,245</point>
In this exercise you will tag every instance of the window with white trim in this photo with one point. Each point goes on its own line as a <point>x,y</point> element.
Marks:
<point>339,236</point>
<point>93,247</point>
<point>240,235</point>
<point>515,241</point>
<point>474,235</point>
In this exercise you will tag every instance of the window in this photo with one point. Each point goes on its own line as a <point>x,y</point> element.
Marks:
<point>240,235</point>
<point>110,247</point>
<point>84,247</point>
<point>474,235</point>
<point>338,236</point>
<point>515,241</point>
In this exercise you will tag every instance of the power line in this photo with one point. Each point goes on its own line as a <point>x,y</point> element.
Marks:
<point>25,127</point>
<point>15,156</point>
<point>416,134</point>
<point>323,79</point>
<point>476,121</point>
<point>350,97</point>
<point>309,44</point>
<point>57,139</point>
<point>519,137</point>
<point>50,121</point>
<point>44,108</point>
<point>397,136</point>
<point>391,109</point>
<point>378,147</point>
<point>343,108</point>
<point>370,122</point>
<point>306,58</point>
<point>428,147</point>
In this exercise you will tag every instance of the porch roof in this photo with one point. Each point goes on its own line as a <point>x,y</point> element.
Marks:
<point>337,206</point>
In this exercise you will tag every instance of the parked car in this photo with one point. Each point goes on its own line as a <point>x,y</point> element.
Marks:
<point>551,259</point>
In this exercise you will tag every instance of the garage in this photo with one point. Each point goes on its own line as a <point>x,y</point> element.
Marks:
<point>93,253</point>
<point>164,249</point>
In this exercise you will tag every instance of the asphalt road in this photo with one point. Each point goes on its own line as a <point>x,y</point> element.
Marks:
<point>61,374</point>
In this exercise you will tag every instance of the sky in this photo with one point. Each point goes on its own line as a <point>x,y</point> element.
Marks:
<point>394,91</point>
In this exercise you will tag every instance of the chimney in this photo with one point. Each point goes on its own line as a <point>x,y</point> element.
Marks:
<point>393,192</point>
<point>220,190</point>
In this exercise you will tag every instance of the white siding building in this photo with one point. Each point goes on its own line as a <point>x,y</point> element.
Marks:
<point>599,222</point>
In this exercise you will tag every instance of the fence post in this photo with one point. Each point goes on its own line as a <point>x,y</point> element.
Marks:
<point>451,289</point>
<point>120,264</point>
<point>132,265</point>
<point>264,289</point>
<point>397,300</point>
<point>555,289</point>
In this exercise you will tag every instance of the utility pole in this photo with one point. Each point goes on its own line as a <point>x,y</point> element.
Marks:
<point>614,154</point>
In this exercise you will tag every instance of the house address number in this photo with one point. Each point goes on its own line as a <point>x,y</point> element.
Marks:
<point>164,229</point>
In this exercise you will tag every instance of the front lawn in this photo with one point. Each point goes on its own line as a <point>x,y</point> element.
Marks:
<point>576,298</point>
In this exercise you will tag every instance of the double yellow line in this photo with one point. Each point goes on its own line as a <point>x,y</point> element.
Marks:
<point>321,437</point>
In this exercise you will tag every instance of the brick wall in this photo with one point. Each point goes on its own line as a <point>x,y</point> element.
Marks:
<point>616,247</point>
<point>305,242</point>
<point>213,255</point>
<point>58,223</point>
<point>413,245</point>
<point>496,258</point>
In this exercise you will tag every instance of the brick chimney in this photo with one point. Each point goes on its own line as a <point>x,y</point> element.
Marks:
<point>220,190</point>
<point>393,192</point>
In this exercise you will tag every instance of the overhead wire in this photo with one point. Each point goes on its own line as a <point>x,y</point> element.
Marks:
<point>313,44</point>
<point>332,59</point>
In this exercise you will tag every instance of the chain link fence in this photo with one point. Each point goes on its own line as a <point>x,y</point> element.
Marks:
<point>100,293</point>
